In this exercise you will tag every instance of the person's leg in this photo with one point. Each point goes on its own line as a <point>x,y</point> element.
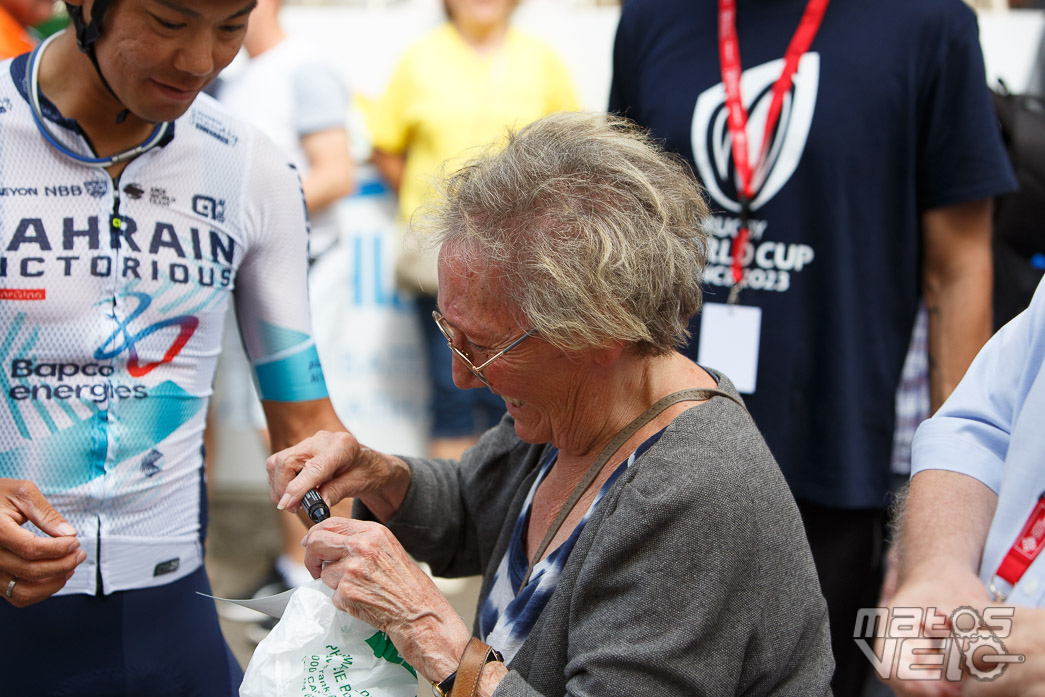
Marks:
<point>288,569</point>
<point>847,547</point>
<point>453,424</point>
<point>162,641</point>
<point>176,627</point>
<point>291,562</point>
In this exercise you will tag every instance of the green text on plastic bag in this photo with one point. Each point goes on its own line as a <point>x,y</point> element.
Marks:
<point>383,648</point>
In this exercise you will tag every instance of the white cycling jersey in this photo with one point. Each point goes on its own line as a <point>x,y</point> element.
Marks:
<point>112,300</point>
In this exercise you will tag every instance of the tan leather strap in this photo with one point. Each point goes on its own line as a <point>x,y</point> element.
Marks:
<point>691,395</point>
<point>476,655</point>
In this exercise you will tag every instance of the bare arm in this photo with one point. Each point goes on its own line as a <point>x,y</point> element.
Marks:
<point>943,531</point>
<point>331,173</point>
<point>956,284</point>
<point>945,523</point>
<point>290,423</point>
<point>391,166</point>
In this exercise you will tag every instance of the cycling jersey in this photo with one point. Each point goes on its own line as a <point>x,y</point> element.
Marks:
<point>112,300</point>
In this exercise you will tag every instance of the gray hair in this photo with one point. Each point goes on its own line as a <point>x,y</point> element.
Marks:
<point>590,227</point>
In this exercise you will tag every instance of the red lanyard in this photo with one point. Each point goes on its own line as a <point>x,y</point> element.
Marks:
<point>1024,550</point>
<point>729,59</point>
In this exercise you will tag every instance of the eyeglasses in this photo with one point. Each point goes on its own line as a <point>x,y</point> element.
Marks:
<point>477,371</point>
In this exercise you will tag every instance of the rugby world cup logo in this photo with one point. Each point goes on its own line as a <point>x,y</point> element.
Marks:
<point>713,144</point>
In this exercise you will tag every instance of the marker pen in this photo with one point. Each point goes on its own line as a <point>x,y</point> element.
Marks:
<point>315,506</point>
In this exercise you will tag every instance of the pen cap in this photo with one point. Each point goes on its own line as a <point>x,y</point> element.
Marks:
<point>317,509</point>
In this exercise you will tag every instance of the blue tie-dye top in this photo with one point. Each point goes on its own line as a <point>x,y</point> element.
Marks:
<point>508,613</point>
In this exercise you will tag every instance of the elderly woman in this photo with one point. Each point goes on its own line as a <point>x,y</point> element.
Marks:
<point>634,534</point>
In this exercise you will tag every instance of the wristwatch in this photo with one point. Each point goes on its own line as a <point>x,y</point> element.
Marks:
<point>443,688</point>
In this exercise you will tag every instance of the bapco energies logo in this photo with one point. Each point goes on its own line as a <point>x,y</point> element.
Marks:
<point>124,339</point>
<point>966,642</point>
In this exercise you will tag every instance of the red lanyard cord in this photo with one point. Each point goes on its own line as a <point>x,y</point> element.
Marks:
<point>729,60</point>
<point>1024,550</point>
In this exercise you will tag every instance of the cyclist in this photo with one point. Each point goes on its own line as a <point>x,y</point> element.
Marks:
<point>133,211</point>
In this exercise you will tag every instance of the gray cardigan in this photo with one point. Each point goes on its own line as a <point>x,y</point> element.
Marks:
<point>693,576</point>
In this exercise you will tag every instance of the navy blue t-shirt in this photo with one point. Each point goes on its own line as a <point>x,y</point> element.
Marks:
<point>889,116</point>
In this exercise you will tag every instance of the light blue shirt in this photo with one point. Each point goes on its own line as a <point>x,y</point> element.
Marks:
<point>993,428</point>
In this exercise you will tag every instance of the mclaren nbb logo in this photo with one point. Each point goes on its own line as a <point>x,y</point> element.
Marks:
<point>713,144</point>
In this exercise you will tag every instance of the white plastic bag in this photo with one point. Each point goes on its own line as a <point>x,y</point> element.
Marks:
<point>316,649</point>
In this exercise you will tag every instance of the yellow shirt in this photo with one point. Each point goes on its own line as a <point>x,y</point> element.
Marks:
<point>444,100</point>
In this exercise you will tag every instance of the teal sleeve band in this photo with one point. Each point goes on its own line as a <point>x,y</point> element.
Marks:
<point>297,377</point>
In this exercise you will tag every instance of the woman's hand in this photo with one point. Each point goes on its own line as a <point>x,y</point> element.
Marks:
<point>340,467</point>
<point>376,581</point>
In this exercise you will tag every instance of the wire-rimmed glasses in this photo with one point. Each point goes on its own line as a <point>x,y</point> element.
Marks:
<point>477,371</point>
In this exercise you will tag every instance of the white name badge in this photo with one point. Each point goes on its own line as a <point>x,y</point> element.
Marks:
<point>729,337</point>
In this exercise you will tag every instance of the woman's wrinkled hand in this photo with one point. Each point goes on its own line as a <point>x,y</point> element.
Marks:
<point>376,581</point>
<point>340,467</point>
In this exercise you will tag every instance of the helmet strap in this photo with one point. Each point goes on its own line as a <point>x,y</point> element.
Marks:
<point>87,34</point>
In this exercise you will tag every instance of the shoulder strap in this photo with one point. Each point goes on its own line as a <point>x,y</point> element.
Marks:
<point>692,395</point>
